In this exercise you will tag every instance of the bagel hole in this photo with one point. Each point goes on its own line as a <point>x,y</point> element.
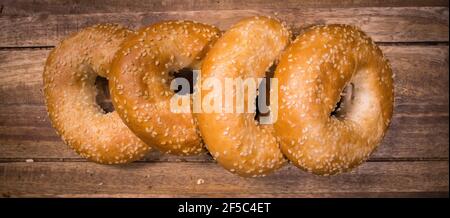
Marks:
<point>346,98</point>
<point>103,98</point>
<point>185,73</point>
<point>264,110</point>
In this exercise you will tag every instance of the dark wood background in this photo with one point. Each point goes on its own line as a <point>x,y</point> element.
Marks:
<point>412,161</point>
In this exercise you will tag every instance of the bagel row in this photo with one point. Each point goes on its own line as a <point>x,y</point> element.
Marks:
<point>330,94</point>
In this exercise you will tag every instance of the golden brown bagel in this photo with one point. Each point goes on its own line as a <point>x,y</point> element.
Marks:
<point>312,74</point>
<point>70,92</point>
<point>235,140</point>
<point>140,83</point>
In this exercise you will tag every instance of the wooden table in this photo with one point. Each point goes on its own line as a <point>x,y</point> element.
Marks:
<point>412,161</point>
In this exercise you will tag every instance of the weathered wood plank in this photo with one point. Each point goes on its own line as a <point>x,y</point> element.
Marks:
<point>420,128</point>
<point>25,132</point>
<point>165,180</point>
<point>403,24</point>
<point>422,74</point>
<point>27,7</point>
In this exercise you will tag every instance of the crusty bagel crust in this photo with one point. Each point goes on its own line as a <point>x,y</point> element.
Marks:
<point>140,83</point>
<point>236,140</point>
<point>69,89</point>
<point>312,74</point>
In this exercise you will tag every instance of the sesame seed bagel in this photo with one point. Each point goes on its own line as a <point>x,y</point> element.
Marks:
<point>236,140</point>
<point>140,84</point>
<point>70,93</point>
<point>326,66</point>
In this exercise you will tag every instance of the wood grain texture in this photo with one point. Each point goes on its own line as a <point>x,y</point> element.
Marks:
<point>412,161</point>
<point>165,179</point>
<point>25,7</point>
<point>419,130</point>
<point>411,24</point>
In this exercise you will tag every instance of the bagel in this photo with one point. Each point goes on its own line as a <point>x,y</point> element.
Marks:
<point>70,95</point>
<point>140,84</point>
<point>320,66</point>
<point>239,143</point>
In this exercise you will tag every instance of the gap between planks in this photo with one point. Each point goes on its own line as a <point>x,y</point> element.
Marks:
<point>204,159</point>
<point>26,7</point>
<point>429,43</point>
